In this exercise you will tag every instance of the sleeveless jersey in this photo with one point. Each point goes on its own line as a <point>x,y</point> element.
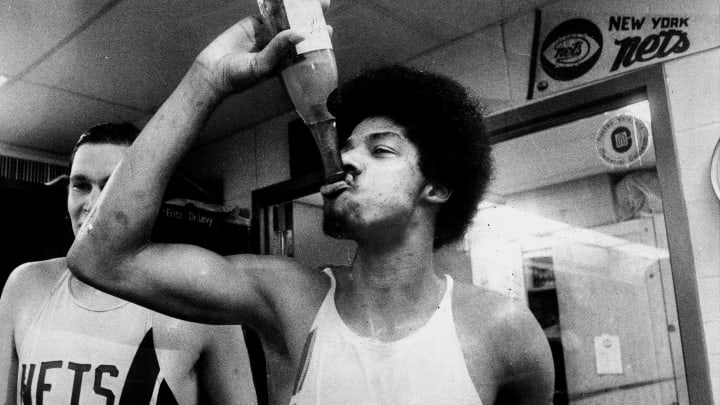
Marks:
<point>72,354</point>
<point>426,367</point>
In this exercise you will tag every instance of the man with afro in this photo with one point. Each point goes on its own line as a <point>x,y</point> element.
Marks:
<point>387,329</point>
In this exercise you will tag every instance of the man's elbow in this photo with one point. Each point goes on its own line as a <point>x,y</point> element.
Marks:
<point>82,260</point>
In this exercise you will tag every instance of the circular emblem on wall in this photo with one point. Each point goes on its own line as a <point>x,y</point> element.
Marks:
<point>622,140</point>
<point>571,49</point>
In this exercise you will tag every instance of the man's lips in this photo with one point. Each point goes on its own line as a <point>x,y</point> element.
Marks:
<point>333,190</point>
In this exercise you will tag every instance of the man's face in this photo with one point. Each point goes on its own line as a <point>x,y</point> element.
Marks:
<point>383,186</point>
<point>91,169</point>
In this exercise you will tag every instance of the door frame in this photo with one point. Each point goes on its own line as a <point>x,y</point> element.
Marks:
<point>642,84</point>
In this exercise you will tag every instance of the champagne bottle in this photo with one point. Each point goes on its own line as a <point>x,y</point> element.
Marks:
<point>310,75</point>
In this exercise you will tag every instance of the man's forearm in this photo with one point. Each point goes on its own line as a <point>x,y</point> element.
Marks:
<point>167,137</point>
<point>111,249</point>
<point>123,218</point>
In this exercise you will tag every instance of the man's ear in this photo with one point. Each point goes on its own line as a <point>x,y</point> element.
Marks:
<point>436,193</point>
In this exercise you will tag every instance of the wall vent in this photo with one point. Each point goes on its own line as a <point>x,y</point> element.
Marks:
<point>29,170</point>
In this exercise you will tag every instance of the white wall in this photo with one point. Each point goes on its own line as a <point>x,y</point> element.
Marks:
<point>694,98</point>
<point>252,159</point>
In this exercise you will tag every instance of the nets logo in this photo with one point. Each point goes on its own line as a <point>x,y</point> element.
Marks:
<point>571,49</point>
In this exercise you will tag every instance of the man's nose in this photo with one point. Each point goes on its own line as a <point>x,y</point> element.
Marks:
<point>94,195</point>
<point>350,161</point>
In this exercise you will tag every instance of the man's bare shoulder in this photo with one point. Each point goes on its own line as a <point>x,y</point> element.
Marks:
<point>505,322</point>
<point>473,304</point>
<point>286,276</point>
<point>475,293</point>
<point>27,287</point>
<point>293,290</point>
<point>511,343</point>
<point>35,278</point>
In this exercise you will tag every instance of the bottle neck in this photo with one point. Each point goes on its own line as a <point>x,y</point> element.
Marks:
<point>325,136</point>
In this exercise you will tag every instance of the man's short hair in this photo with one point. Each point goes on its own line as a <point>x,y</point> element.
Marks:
<point>123,133</point>
<point>441,119</point>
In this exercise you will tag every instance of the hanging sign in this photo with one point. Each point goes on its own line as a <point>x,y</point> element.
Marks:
<point>622,140</point>
<point>577,49</point>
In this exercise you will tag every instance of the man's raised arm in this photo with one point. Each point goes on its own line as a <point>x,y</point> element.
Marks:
<point>112,251</point>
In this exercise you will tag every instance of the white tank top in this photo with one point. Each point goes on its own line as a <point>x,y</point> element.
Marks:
<point>74,355</point>
<point>341,367</point>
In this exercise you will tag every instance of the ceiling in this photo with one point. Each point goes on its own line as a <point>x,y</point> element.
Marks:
<point>75,63</point>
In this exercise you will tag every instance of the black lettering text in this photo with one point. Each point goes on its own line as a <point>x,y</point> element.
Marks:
<point>625,23</point>
<point>41,385</point>
<point>28,371</point>
<point>682,44</point>
<point>79,369</point>
<point>655,22</point>
<point>668,22</point>
<point>648,48</point>
<point>97,386</point>
<point>636,49</point>
<point>637,23</point>
<point>625,53</point>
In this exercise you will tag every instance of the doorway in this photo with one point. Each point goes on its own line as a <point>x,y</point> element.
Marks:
<point>576,228</point>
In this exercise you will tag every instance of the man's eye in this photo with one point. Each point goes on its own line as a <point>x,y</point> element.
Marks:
<point>380,150</point>
<point>80,186</point>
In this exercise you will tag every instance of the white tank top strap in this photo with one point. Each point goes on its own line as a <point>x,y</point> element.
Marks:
<point>426,367</point>
<point>57,293</point>
<point>27,341</point>
<point>446,300</point>
<point>149,319</point>
<point>328,271</point>
<point>61,286</point>
<point>328,304</point>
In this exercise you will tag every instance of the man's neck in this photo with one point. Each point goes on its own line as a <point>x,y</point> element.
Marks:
<point>390,291</point>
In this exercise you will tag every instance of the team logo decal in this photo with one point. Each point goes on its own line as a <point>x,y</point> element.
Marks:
<point>622,140</point>
<point>144,372</point>
<point>139,387</point>
<point>571,49</point>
